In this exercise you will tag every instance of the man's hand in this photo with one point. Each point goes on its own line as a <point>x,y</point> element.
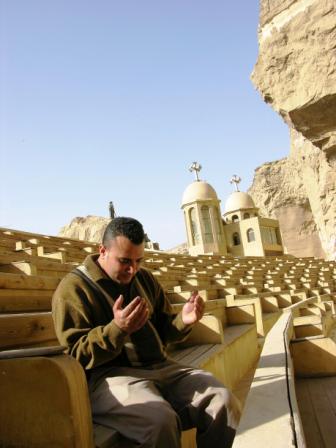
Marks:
<point>133,316</point>
<point>193,310</point>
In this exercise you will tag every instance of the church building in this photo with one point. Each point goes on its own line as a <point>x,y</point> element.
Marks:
<point>240,231</point>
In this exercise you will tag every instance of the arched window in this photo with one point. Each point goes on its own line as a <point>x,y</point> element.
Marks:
<point>208,236</point>
<point>218,227</point>
<point>235,218</point>
<point>236,239</point>
<point>269,235</point>
<point>246,215</point>
<point>193,226</point>
<point>250,235</point>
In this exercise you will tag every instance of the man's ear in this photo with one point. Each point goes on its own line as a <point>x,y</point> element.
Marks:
<point>102,249</point>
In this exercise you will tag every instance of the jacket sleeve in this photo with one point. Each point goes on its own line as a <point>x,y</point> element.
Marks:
<point>72,314</point>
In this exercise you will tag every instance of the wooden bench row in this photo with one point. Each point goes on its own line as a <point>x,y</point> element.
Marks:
<point>62,395</point>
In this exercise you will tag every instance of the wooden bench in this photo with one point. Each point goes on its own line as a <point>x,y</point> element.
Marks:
<point>224,342</point>
<point>44,396</point>
<point>23,293</point>
<point>37,372</point>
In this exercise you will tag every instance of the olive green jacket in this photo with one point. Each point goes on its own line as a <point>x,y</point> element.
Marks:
<point>84,320</point>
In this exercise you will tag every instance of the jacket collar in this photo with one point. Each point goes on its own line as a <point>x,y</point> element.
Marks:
<point>96,272</point>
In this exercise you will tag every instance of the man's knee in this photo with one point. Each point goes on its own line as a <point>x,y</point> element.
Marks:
<point>226,402</point>
<point>163,417</point>
<point>215,403</point>
<point>163,427</point>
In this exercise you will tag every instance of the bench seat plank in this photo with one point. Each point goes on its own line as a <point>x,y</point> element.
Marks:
<point>26,329</point>
<point>18,281</point>
<point>22,300</point>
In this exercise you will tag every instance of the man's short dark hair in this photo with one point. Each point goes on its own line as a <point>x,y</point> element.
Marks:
<point>123,226</point>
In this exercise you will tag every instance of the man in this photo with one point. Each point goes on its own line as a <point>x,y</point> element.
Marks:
<point>115,319</point>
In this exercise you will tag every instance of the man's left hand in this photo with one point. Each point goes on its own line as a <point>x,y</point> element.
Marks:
<point>193,310</point>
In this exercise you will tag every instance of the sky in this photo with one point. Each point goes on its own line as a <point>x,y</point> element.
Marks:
<point>113,100</point>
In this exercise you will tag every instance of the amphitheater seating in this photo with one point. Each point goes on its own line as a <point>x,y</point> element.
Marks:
<point>244,299</point>
<point>271,415</point>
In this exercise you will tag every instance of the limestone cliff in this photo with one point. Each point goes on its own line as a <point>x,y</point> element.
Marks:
<point>296,67</point>
<point>296,74</point>
<point>279,191</point>
<point>89,228</point>
<point>180,249</point>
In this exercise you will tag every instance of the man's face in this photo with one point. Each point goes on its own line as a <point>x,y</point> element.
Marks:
<point>121,260</point>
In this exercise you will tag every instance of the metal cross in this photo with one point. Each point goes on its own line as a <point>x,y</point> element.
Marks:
<point>235,180</point>
<point>196,167</point>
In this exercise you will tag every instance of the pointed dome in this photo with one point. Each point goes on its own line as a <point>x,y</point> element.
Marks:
<point>198,191</point>
<point>238,200</point>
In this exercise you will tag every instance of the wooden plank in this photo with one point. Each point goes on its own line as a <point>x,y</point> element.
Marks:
<point>235,331</point>
<point>9,258</point>
<point>6,258</point>
<point>193,355</point>
<point>242,388</point>
<point>16,281</point>
<point>316,399</point>
<point>179,354</point>
<point>10,244</point>
<point>325,415</point>
<point>310,427</point>
<point>31,352</point>
<point>199,352</point>
<point>24,330</point>
<point>210,351</point>
<point>330,389</point>
<point>20,300</point>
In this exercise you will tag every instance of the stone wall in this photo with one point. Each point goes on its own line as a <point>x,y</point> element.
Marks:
<point>296,74</point>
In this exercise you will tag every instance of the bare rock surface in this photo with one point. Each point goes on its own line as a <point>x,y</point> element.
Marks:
<point>296,74</point>
<point>89,228</point>
<point>296,67</point>
<point>299,191</point>
<point>180,249</point>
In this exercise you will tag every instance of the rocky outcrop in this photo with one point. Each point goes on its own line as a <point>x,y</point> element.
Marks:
<point>181,249</point>
<point>89,228</point>
<point>296,67</point>
<point>299,191</point>
<point>296,74</point>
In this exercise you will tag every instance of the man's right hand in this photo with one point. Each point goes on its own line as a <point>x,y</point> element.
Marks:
<point>133,316</point>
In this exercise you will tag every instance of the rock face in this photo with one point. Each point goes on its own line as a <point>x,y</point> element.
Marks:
<point>296,67</point>
<point>180,249</point>
<point>279,191</point>
<point>296,74</point>
<point>90,228</point>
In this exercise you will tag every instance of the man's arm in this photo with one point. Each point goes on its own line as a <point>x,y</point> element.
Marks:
<point>91,345</point>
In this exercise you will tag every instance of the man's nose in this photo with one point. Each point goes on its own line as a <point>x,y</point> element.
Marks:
<point>132,267</point>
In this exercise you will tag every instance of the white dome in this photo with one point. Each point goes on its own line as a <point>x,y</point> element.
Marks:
<point>238,200</point>
<point>198,191</point>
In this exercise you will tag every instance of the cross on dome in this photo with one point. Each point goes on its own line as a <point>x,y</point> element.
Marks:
<point>196,167</point>
<point>235,180</point>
